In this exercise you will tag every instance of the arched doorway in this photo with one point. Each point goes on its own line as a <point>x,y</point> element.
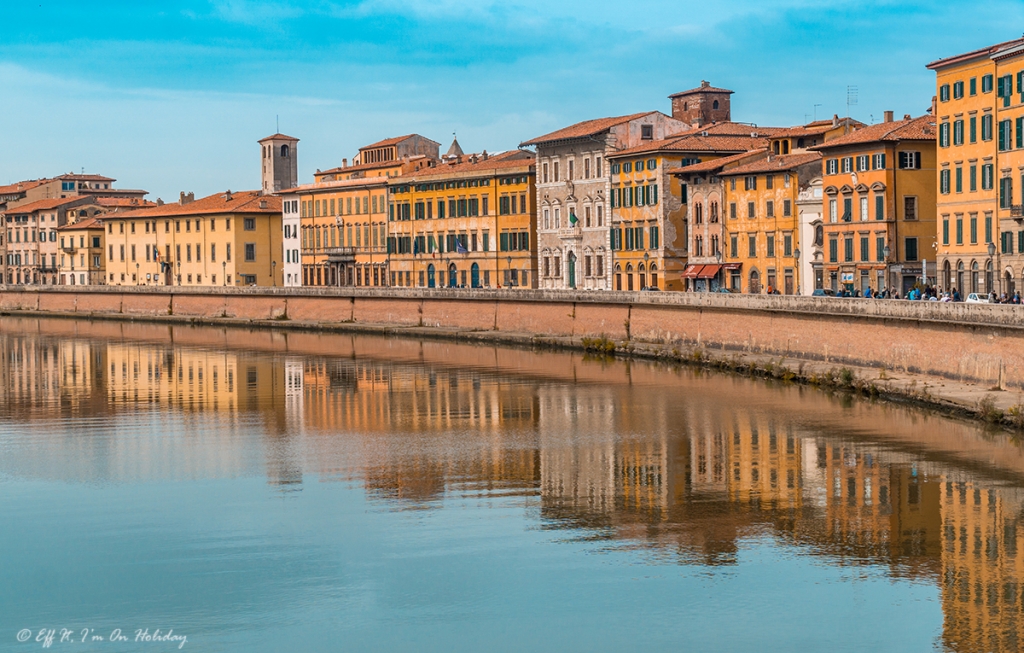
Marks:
<point>643,276</point>
<point>571,269</point>
<point>990,285</point>
<point>947,275</point>
<point>453,276</point>
<point>755,282</point>
<point>431,280</point>
<point>654,275</point>
<point>629,276</point>
<point>975,277</point>
<point>1008,285</point>
<point>618,277</point>
<point>960,277</point>
<point>474,275</point>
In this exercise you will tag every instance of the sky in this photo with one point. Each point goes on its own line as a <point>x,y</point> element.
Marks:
<point>172,96</point>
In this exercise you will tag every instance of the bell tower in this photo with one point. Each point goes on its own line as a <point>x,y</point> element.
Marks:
<point>280,157</point>
<point>702,105</point>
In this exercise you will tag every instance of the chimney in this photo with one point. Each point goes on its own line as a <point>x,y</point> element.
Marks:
<point>159,202</point>
<point>906,116</point>
<point>887,116</point>
<point>344,163</point>
<point>227,195</point>
<point>704,83</point>
<point>485,155</point>
<point>835,120</point>
<point>931,111</point>
<point>263,204</point>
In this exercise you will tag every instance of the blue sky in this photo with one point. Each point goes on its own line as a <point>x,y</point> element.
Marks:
<point>173,96</point>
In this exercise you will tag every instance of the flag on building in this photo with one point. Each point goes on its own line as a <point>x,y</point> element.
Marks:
<point>573,219</point>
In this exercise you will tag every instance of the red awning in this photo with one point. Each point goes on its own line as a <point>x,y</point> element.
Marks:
<point>709,272</point>
<point>732,266</point>
<point>692,271</point>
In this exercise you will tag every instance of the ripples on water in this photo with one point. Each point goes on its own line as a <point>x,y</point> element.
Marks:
<point>266,491</point>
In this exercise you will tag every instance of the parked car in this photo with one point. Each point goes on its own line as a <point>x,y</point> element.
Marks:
<point>650,289</point>
<point>823,292</point>
<point>727,291</point>
<point>975,298</point>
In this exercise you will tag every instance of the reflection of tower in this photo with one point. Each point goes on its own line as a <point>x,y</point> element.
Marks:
<point>280,156</point>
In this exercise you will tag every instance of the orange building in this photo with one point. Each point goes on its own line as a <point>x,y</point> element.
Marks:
<point>878,210</point>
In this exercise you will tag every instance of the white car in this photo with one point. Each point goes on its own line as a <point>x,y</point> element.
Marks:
<point>975,298</point>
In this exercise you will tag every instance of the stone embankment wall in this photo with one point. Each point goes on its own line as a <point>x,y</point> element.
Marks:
<point>969,342</point>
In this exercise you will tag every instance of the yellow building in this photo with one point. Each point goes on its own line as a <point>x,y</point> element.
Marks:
<point>762,224</point>
<point>980,115</point>
<point>81,253</point>
<point>220,240</point>
<point>343,215</point>
<point>878,212</point>
<point>467,223</point>
<point>650,229</point>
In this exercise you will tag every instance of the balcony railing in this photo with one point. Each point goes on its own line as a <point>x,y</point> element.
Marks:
<point>340,253</point>
<point>1017,211</point>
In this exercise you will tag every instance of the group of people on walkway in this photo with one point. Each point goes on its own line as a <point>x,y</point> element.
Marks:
<point>932,294</point>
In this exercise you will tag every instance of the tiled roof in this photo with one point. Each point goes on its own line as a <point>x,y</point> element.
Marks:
<point>699,143</point>
<point>89,223</point>
<point>119,202</point>
<point>46,204</point>
<point>586,128</point>
<point>915,129</point>
<point>967,56</point>
<point>493,164</point>
<point>817,128</point>
<point>278,137</point>
<point>77,177</point>
<point>739,129</point>
<point>340,184</point>
<point>717,164</point>
<point>22,186</point>
<point>388,141</point>
<point>774,164</point>
<point>370,166</point>
<point>246,201</point>
<point>701,89</point>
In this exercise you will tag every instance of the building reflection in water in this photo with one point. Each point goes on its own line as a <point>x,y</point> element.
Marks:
<point>633,455</point>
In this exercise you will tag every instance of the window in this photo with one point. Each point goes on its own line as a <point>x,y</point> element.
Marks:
<point>750,183</point>
<point>910,208</point>
<point>249,224</point>
<point>833,250</point>
<point>879,206</point>
<point>910,248</point>
<point>987,176</point>
<point>972,176</point>
<point>770,209</point>
<point>862,163</point>
<point>769,181</point>
<point>943,138</point>
<point>945,230</point>
<point>944,182</point>
<point>974,228</point>
<point>958,90</point>
<point>770,245</point>
<point>986,127</point>
<point>880,249</point>
<point>847,209</point>
<point>787,207</point>
<point>910,160</point>
<point>752,245</point>
<point>944,93</point>
<point>734,246</point>
<point>847,163</point>
<point>959,229</point>
<point>958,132</point>
<point>250,251</point>
<point>973,129</point>
<point>1005,193</point>
<point>751,210</point>
<point>986,84</point>
<point>848,249</point>
<point>832,167</point>
<point>863,208</point>
<point>1005,135</point>
<point>732,210</point>
<point>832,211</point>
<point>787,244</point>
<point>864,248</point>
<point>974,86</point>
<point>646,132</point>
<point>958,177</point>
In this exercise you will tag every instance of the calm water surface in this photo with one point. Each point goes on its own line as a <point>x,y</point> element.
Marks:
<point>267,491</point>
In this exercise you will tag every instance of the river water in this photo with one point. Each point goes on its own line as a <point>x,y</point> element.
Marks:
<point>276,491</point>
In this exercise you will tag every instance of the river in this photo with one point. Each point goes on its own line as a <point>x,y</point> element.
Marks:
<point>271,491</point>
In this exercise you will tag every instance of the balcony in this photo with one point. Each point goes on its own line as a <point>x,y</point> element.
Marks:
<point>69,249</point>
<point>340,254</point>
<point>1017,211</point>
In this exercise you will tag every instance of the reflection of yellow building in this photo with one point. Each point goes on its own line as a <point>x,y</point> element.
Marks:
<point>982,567</point>
<point>223,239</point>
<point>468,223</point>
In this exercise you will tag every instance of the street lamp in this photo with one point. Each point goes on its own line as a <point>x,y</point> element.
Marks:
<point>796,255</point>
<point>992,266</point>
<point>885,255</point>
<point>224,272</point>
<point>273,272</point>
<point>509,284</point>
<point>137,279</point>
<point>647,269</point>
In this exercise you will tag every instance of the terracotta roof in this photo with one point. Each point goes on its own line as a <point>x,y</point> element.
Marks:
<point>88,223</point>
<point>77,177</point>
<point>123,201</point>
<point>371,166</point>
<point>278,137</point>
<point>974,54</point>
<point>47,204</point>
<point>739,129</point>
<point>22,186</point>
<point>716,164</point>
<point>817,128</point>
<point>389,141</point>
<point>340,184</point>
<point>698,142</point>
<point>703,88</point>
<point>774,164</point>
<point>915,129</point>
<point>493,164</point>
<point>585,128</point>
<point>246,201</point>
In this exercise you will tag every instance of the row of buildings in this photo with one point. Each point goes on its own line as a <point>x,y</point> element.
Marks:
<point>686,200</point>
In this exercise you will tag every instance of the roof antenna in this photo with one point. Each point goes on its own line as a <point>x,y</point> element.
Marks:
<point>278,118</point>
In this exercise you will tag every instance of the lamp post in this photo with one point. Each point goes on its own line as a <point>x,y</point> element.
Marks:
<point>509,284</point>
<point>647,269</point>
<point>273,272</point>
<point>888,273</point>
<point>992,266</point>
<point>796,255</point>
<point>138,281</point>
<point>224,275</point>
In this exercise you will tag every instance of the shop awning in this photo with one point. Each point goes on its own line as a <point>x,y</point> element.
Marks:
<point>709,272</point>
<point>732,266</point>
<point>692,271</point>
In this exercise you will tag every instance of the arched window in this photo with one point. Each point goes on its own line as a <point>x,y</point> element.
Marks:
<point>715,105</point>
<point>284,150</point>
<point>755,282</point>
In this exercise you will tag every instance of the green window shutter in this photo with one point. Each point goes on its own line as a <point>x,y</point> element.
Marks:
<point>654,194</point>
<point>879,207</point>
<point>1020,241</point>
<point>504,242</point>
<point>1002,132</point>
<point>1020,132</point>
